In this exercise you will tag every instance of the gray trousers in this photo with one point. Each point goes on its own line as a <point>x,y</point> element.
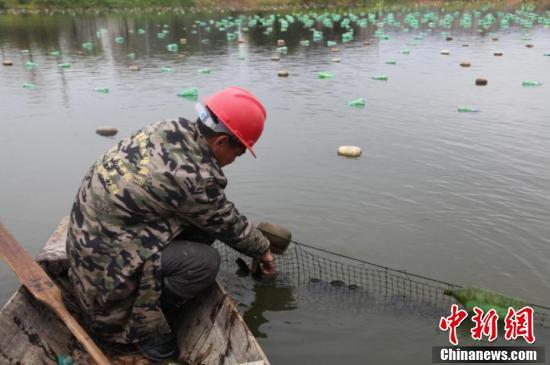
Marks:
<point>187,267</point>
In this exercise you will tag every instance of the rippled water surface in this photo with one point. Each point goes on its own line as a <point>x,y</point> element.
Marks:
<point>461,197</point>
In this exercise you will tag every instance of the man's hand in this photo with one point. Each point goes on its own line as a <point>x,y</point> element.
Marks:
<point>266,264</point>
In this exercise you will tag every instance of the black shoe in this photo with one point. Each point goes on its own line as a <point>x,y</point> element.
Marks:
<point>159,347</point>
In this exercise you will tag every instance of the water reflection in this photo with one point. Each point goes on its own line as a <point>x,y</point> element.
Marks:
<point>268,297</point>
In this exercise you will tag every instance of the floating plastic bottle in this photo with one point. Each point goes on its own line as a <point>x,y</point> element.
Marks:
<point>349,151</point>
<point>119,40</point>
<point>547,54</point>
<point>172,47</point>
<point>88,45</point>
<point>204,71</point>
<point>484,299</point>
<point>347,37</point>
<point>28,85</point>
<point>283,49</point>
<point>467,109</point>
<point>380,77</point>
<point>161,35</point>
<point>30,65</point>
<point>141,31</point>
<point>25,51</point>
<point>391,62</point>
<point>331,43</point>
<point>531,83</point>
<point>131,55</point>
<point>55,53</point>
<point>189,93</point>
<point>102,89</point>
<point>325,75</point>
<point>358,103</point>
<point>166,69</point>
<point>405,51</point>
<point>231,36</point>
<point>317,36</point>
<point>304,43</point>
<point>64,65</point>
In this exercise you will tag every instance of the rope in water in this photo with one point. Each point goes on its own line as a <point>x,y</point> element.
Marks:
<point>386,267</point>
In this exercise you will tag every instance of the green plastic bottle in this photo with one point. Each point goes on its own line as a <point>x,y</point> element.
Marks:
<point>55,53</point>
<point>325,75</point>
<point>102,89</point>
<point>467,109</point>
<point>65,360</point>
<point>357,103</point>
<point>30,65</point>
<point>380,77</point>
<point>391,62</point>
<point>172,47</point>
<point>485,300</point>
<point>28,85</point>
<point>531,83</point>
<point>141,31</point>
<point>88,45</point>
<point>166,69</point>
<point>119,40</point>
<point>204,71</point>
<point>189,93</point>
<point>64,65</point>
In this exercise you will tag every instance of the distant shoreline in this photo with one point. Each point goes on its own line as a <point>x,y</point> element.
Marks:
<point>39,6</point>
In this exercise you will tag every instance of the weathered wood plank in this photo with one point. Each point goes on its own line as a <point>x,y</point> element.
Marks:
<point>212,331</point>
<point>30,333</point>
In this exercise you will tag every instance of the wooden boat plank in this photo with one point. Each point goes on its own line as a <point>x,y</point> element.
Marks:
<point>30,333</point>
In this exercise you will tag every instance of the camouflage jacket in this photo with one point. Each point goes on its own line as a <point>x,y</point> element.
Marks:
<point>151,187</point>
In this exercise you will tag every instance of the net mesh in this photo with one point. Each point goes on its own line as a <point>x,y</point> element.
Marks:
<point>319,275</point>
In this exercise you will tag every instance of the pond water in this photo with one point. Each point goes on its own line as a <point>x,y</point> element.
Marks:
<point>460,197</point>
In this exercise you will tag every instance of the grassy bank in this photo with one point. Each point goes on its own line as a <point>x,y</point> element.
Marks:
<point>34,5</point>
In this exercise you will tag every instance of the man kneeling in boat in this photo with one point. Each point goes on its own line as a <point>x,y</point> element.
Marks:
<point>145,216</point>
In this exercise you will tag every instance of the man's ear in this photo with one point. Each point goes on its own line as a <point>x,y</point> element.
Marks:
<point>221,139</point>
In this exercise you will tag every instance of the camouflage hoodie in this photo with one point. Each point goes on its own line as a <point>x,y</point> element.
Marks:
<point>151,187</point>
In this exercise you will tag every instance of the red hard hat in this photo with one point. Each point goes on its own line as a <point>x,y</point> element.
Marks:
<point>241,112</point>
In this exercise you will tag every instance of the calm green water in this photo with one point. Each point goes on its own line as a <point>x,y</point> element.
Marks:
<point>462,197</point>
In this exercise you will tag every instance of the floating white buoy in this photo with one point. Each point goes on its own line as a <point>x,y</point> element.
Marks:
<point>445,52</point>
<point>106,131</point>
<point>282,73</point>
<point>349,151</point>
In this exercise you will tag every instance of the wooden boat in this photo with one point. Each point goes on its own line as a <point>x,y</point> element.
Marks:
<point>210,330</point>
